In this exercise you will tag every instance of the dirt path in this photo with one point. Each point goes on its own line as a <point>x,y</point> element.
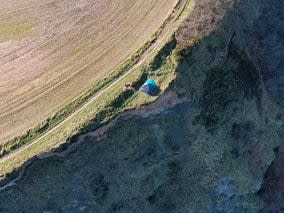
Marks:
<point>153,48</point>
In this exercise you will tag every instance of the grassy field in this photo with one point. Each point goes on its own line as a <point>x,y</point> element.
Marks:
<point>81,119</point>
<point>61,49</point>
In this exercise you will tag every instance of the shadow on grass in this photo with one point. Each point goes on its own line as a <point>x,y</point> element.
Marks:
<point>156,92</point>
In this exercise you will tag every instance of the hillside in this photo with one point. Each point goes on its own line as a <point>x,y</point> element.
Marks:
<point>211,142</point>
<point>53,51</point>
<point>105,99</point>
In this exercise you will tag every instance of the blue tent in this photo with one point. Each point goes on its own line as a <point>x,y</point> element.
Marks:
<point>149,86</point>
<point>151,82</point>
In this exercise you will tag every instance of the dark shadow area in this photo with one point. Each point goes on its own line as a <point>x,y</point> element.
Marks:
<point>161,56</point>
<point>156,92</point>
<point>236,60</point>
<point>272,190</point>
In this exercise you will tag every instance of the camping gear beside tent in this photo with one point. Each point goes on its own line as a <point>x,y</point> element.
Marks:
<point>149,87</point>
<point>128,86</point>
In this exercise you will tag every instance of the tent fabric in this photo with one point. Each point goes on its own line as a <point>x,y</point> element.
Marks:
<point>151,82</point>
<point>149,86</point>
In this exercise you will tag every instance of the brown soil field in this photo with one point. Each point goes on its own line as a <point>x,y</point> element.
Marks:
<point>52,51</point>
